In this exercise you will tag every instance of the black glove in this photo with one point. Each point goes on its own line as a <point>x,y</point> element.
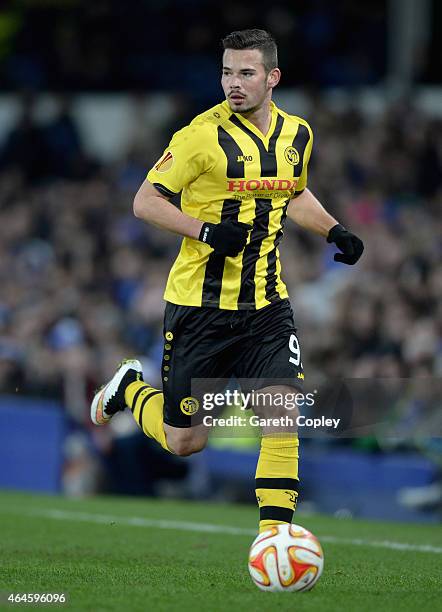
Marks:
<point>227,238</point>
<point>351,246</point>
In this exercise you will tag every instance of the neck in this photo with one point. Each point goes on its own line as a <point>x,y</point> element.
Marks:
<point>260,117</point>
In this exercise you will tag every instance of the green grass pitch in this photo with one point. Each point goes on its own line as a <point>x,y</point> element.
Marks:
<point>141,554</point>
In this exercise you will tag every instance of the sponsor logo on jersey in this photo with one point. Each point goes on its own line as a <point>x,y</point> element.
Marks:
<point>164,163</point>
<point>262,185</point>
<point>291,156</point>
<point>244,158</point>
<point>189,405</point>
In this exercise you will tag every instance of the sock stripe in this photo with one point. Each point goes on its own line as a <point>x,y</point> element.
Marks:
<point>277,483</point>
<point>144,402</point>
<point>276,513</point>
<point>137,395</point>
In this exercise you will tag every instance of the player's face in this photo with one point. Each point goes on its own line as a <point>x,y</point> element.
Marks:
<point>245,82</point>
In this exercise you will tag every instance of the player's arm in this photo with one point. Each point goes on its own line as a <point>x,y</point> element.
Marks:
<point>227,239</point>
<point>183,162</point>
<point>307,211</point>
<point>153,207</point>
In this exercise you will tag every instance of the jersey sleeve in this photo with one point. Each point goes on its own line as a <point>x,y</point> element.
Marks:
<point>302,183</point>
<point>181,163</point>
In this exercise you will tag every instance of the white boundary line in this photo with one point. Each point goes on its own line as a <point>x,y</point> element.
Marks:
<point>134,521</point>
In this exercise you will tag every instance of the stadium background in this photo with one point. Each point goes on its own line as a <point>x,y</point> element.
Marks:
<point>90,94</point>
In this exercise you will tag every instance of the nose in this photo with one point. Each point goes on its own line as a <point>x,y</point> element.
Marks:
<point>234,82</point>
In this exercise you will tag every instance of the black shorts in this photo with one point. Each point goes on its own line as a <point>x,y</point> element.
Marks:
<point>210,343</point>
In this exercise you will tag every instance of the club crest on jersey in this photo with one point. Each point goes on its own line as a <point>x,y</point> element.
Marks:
<point>164,163</point>
<point>189,405</point>
<point>291,156</point>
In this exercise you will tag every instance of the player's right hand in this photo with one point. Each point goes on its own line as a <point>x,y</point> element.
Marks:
<point>227,238</point>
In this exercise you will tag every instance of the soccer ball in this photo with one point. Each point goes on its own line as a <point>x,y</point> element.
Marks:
<point>286,558</point>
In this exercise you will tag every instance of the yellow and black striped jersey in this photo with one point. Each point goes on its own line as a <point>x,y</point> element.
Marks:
<point>228,170</point>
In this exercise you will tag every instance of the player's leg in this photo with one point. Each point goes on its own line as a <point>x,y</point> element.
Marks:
<point>276,478</point>
<point>196,346</point>
<point>272,355</point>
<point>127,388</point>
<point>168,415</point>
<point>186,441</point>
<point>191,351</point>
<point>148,407</point>
<point>198,343</point>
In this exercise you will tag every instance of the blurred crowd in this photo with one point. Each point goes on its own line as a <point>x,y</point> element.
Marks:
<point>381,176</point>
<point>76,45</point>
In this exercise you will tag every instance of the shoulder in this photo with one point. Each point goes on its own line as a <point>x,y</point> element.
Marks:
<point>213,117</point>
<point>204,125</point>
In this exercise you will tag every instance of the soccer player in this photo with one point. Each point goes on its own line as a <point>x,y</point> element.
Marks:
<point>242,169</point>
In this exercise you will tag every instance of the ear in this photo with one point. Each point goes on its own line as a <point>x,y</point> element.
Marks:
<point>273,77</point>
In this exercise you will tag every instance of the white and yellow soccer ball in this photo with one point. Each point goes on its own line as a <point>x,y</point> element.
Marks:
<point>286,558</point>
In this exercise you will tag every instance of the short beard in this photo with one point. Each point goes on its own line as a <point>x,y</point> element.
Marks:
<point>244,111</point>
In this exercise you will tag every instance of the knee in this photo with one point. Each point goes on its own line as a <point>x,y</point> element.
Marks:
<point>186,446</point>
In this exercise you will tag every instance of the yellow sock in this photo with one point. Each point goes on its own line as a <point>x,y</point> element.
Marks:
<point>146,404</point>
<point>277,479</point>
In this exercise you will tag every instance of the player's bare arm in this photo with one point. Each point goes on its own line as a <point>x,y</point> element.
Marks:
<point>307,211</point>
<point>151,206</point>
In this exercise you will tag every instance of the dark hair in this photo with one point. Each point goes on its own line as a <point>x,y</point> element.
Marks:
<point>254,39</point>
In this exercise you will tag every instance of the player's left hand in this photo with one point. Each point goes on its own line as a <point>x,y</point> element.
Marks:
<point>351,246</point>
